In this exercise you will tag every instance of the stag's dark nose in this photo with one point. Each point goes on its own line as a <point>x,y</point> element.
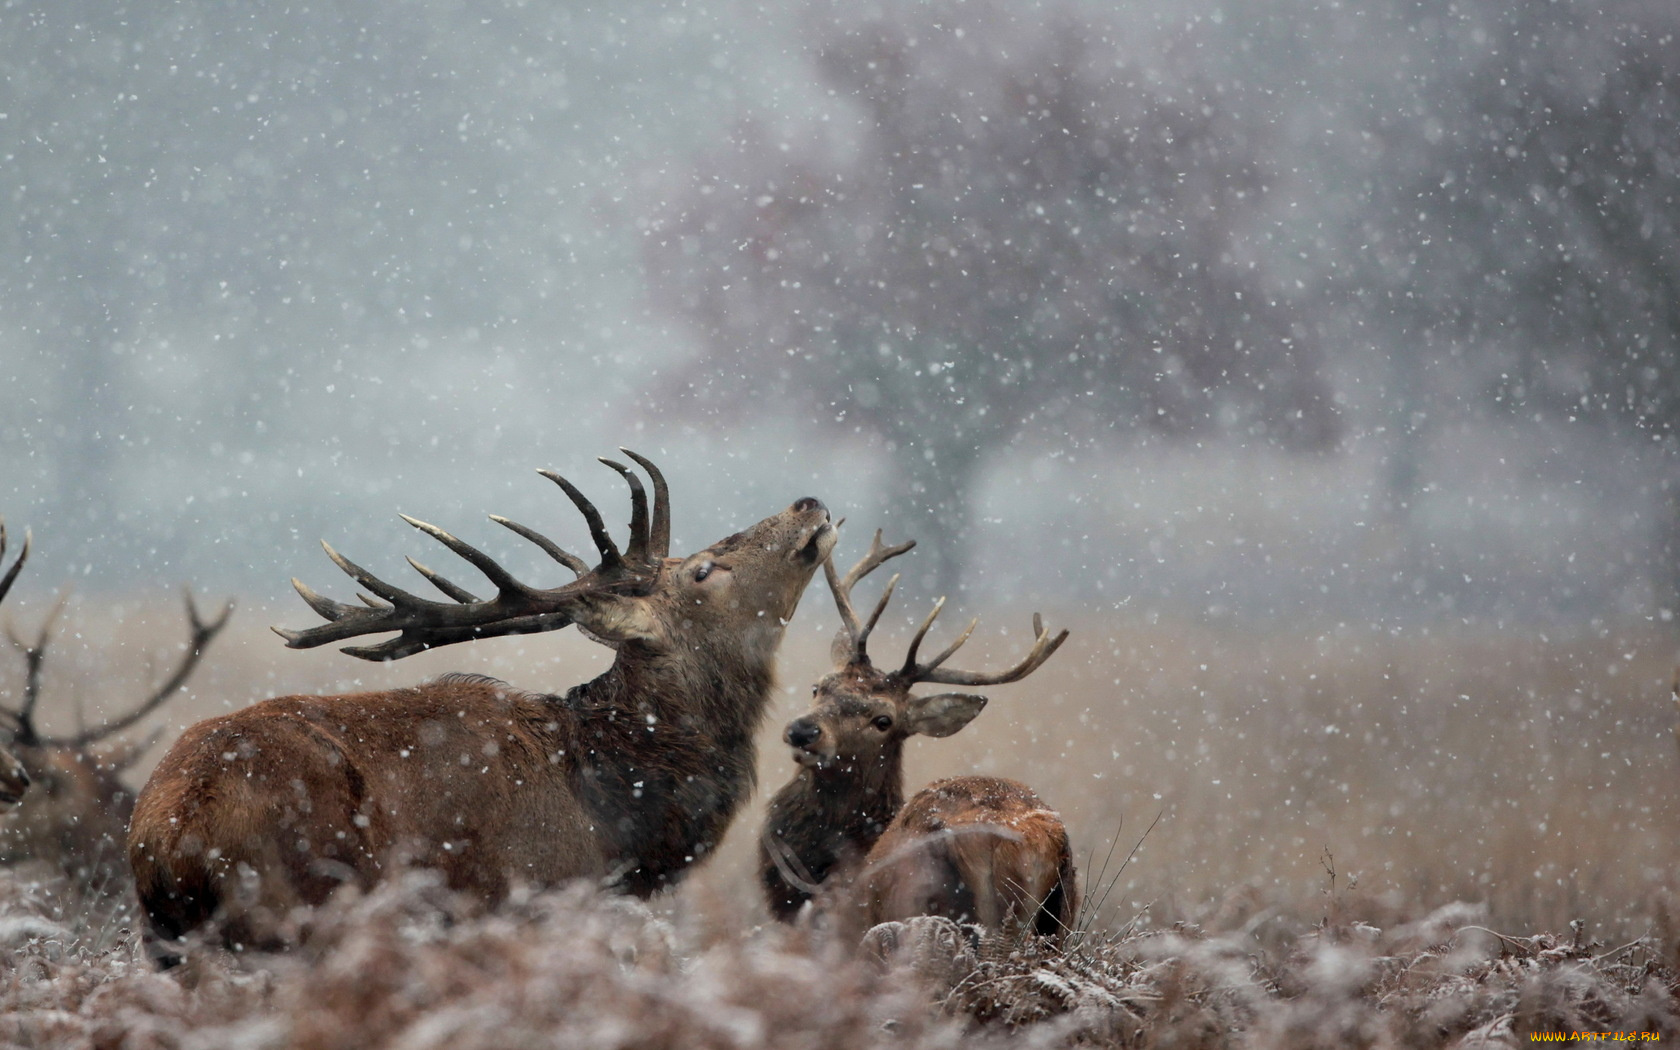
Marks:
<point>808,503</point>
<point>802,732</point>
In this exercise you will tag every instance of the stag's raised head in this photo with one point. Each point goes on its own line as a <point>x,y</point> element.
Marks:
<point>750,582</point>
<point>636,596</point>
<point>861,715</point>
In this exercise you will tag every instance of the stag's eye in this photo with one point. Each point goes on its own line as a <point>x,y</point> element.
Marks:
<point>883,723</point>
<point>702,571</point>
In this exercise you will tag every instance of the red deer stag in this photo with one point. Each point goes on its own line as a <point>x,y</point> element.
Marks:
<point>627,779</point>
<point>977,847</point>
<point>75,815</point>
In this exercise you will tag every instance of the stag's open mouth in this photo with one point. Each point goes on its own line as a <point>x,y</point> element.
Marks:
<point>816,544</point>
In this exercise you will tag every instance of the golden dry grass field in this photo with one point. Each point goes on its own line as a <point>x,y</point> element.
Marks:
<point>1533,770</point>
<point>1301,781</point>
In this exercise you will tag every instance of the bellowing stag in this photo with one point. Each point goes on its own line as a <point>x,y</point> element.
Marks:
<point>975,847</point>
<point>628,779</point>
<point>74,815</point>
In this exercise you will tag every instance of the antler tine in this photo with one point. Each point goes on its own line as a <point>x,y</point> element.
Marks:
<point>346,620</point>
<point>460,594</point>
<point>872,560</point>
<point>549,547</point>
<point>402,611</point>
<point>367,579</point>
<point>875,617</point>
<point>17,566</point>
<point>842,601</point>
<point>949,650</point>
<point>637,551</point>
<point>597,530</point>
<point>492,570</point>
<point>856,634</point>
<point>202,633</point>
<point>659,533</point>
<point>916,642</point>
<point>324,607</point>
<point>1044,646</point>
<point>34,658</point>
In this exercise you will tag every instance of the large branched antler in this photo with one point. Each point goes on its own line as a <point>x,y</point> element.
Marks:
<point>202,633</point>
<point>851,645</point>
<point>1044,645</point>
<point>516,608</point>
<point>22,719</point>
<point>34,657</point>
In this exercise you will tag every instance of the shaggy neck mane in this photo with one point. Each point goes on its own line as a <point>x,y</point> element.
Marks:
<point>709,690</point>
<point>662,754</point>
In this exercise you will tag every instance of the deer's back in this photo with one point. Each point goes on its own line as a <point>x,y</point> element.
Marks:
<point>463,775</point>
<point>980,848</point>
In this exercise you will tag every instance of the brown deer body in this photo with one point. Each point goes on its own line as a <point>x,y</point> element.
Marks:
<point>979,848</point>
<point>74,816</point>
<point>627,779</point>
<point>982,848</point>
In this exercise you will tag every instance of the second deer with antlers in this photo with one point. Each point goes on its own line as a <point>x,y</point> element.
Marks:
<point>981,848</point>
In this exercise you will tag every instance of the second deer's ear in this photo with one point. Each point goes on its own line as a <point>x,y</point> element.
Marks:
<point>941,714</point>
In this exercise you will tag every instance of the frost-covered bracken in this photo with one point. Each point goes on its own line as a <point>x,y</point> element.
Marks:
<point>411,965</point>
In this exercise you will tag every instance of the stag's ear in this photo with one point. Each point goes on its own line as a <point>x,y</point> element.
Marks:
<point>615,620</point>
<point>941,714</point>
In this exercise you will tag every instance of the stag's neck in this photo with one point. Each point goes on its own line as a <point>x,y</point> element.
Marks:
<point>663,755</point>
<point>721,693</point>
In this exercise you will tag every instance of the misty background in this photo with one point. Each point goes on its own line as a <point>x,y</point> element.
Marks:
<point>1321,311</point>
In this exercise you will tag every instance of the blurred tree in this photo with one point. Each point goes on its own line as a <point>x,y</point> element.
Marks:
<point>1021,232</point>
<point>280,182</point>
<point>1527,209</point>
